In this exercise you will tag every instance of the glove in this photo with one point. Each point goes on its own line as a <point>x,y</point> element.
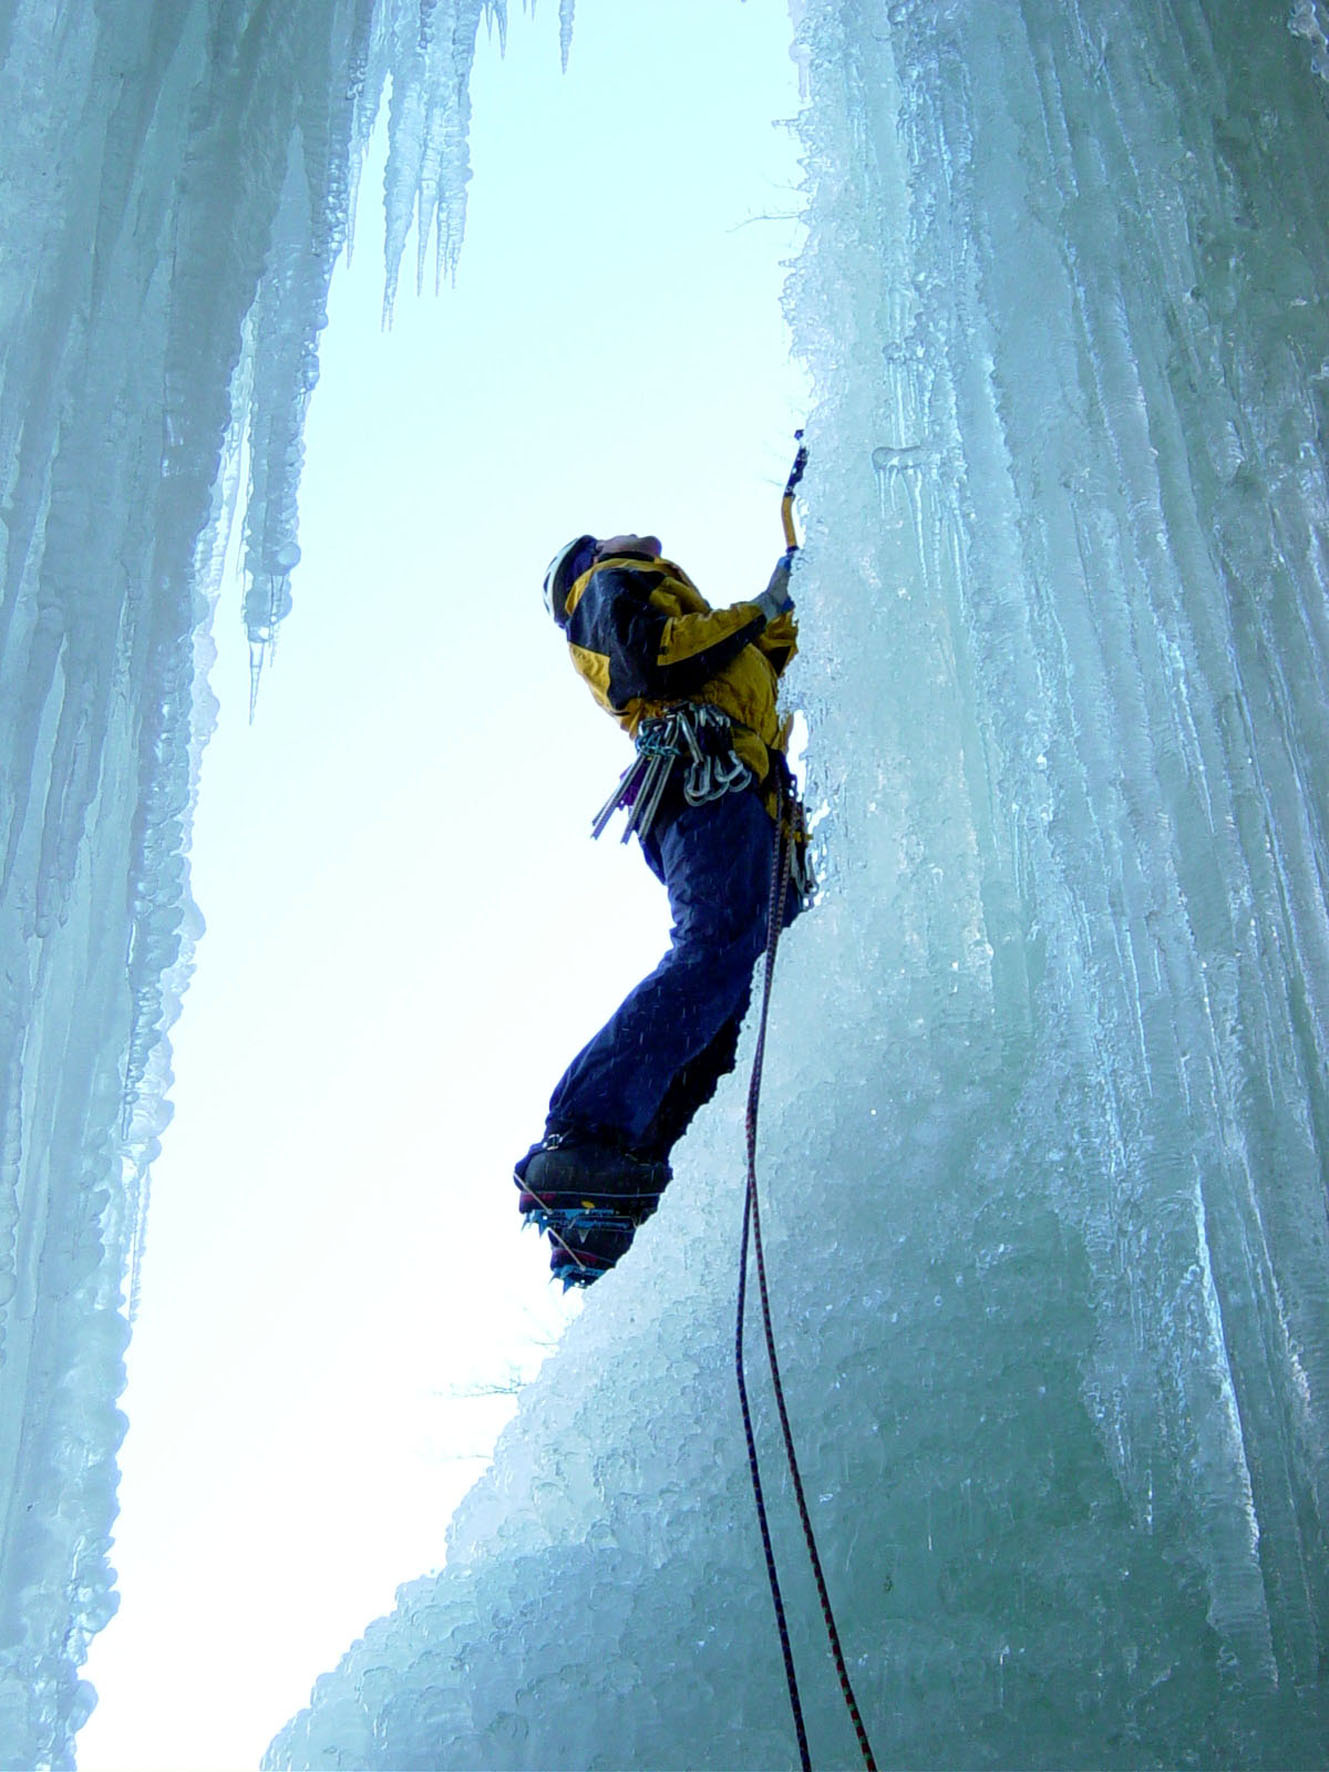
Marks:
<point>775,599</point>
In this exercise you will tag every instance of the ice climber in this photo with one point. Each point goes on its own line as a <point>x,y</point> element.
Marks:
<point>695,687</point>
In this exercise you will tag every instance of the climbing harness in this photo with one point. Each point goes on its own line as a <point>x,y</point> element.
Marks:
<point>791,835</point>
<point>694,734</point>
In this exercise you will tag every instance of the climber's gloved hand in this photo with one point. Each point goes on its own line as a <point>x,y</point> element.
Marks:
<point>775,599</point>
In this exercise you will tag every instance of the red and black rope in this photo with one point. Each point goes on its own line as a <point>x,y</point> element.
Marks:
<point>780,873</point>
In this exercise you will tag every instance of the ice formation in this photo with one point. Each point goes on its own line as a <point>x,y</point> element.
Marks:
<point>1047,1109</point>
<point>176,181</point>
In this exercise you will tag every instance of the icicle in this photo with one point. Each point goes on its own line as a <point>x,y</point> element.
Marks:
<point>177,194</point>
<point>566,8</point>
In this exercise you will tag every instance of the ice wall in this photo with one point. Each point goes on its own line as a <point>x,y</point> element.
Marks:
<point>176,181</point>
<point>1045,1142</point>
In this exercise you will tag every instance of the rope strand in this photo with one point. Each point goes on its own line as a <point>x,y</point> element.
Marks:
<point>754,1469</point>
<point>780,872</point>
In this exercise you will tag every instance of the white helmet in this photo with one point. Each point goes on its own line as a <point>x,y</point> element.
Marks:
<point>565,569</point>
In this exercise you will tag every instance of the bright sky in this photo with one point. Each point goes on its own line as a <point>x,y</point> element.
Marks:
<point>409,931</point>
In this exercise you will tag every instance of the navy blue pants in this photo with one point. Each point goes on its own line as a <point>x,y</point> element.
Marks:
<point>659,1057</point>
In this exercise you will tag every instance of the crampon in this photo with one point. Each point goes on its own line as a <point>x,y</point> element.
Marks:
<point>589,1201</point>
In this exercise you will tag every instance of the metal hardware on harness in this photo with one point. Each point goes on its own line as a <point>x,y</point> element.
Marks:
<point>694,734</point>
<point>713,770</point>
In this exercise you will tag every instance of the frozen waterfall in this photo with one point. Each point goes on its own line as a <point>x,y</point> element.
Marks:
<point>1046,1112</point>
<point>1047,1109</point>
<point>176,181</point>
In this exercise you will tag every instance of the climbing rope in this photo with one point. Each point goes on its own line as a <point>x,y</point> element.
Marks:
<point>780,872</point>
<point>752,1231</point>
<point>789,857</point>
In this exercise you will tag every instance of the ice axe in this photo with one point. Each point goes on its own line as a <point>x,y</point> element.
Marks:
<point>790,486</point>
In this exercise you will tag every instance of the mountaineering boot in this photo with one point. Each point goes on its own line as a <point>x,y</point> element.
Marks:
<point>589,1198</point>
<point>568,1173</point>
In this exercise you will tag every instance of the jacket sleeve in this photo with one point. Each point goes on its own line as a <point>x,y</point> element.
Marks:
<point>779,640</point>
<point>653,655</point>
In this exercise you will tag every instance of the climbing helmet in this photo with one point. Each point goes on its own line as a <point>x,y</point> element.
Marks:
<point>565,569</point>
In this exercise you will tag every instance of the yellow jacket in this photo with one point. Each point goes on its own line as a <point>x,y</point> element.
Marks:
<point>644,638</point>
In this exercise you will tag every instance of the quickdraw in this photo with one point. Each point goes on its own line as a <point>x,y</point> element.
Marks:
<point>694,734</point>
<point>714,769</point>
